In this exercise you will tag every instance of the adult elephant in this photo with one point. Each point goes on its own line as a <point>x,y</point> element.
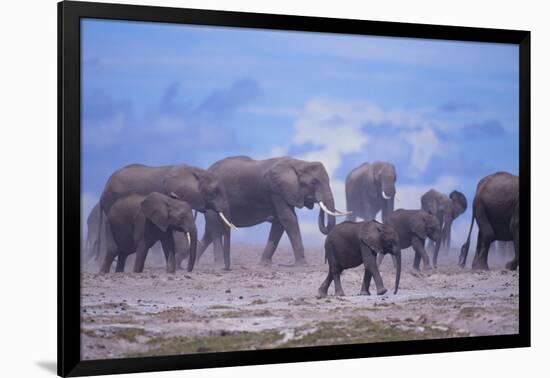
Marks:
<point>446,209</point>
<point>269,191</point>
<point>200,188</point>
<point>370,188</point>
<point>496,212</point>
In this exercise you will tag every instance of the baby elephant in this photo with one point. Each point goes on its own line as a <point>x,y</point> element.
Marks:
<point>413,227</point>
<point>351,244</point>
<point>137,222</point>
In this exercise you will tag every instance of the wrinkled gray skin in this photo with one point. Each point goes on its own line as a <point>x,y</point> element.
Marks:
<point>268,191</point>
<point>413,228</point>
<point>366,187</point>
<point>446,209</point>
<point>136,223</point>
<point>351,244</point>
<point>198,187</point>
<point>496,212</point>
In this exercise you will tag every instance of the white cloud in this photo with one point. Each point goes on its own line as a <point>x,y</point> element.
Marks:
<point>336,128</point>
<point>333,127</point>
<point>425,145</point>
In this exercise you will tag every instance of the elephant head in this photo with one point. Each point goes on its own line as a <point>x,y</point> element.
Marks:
<point>452,209</point>
<point>301,183</point>
<point>201,188</point>
<point>383,239</point>
<point>170,213</point>
<point>380,183</point>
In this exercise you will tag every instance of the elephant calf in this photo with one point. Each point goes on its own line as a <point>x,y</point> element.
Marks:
<point>137,222</point>
<point>413,227</point>
<point>351,244</point>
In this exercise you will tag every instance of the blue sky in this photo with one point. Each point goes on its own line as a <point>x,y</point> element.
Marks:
<point>445,113</point>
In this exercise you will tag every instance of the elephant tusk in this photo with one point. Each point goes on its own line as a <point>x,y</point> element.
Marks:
<point>228,223</point>
<point>322,205</point>
<point>188,237</point>
<point>343,212</point>
<point>385,196</point>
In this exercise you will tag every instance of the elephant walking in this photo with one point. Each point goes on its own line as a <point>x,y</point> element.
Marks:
<point>269,191</point>
<point>351,244</point>
<point>496,212</point>
<point>370,188</point>
<point>136,223</point>
<point>198,187</point>
<point>413,228</point>
<point>446,209</point>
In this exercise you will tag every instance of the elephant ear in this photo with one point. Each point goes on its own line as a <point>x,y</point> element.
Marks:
<point>419,225</point>
<point>371,235</point>
<point>283,180</point>
<point>156,210</point>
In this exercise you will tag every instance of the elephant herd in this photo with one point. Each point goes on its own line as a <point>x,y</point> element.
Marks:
<point>142,205</point>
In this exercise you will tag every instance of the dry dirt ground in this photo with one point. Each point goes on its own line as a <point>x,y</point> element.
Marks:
<point>253,307</point>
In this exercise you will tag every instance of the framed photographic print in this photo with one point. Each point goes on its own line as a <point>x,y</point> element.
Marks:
<point>239,188</point>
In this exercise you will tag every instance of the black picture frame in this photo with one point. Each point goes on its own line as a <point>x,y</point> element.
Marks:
<point>69,15</point>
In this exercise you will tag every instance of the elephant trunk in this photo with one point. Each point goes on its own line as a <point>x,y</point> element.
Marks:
<point>328,201</point>
<point>397,261</point>
<point>447,232</point>
<point>192,249</point>
<point>387,189</point>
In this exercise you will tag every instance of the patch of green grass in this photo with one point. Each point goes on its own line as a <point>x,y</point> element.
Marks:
<point>468,312</point>
<point>88,332</point>
<point>219,307</point>
<point>363,330</point>
<point>129,334</point>
<point>225,341</point>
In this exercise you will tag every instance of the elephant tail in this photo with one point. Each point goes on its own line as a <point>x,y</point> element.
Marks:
<point>466,246</point>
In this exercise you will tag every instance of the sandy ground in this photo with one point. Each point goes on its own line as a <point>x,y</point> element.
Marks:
<point>253,307</point>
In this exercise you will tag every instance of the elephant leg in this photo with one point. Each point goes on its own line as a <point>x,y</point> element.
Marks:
<point>513,264</point>
<point>181,249</point>
<point>218,249</point>
<point>482,252</point>
<point>203,245</point>
<point>367,276</point>
<point>416,261</point>
<point>107,262</point>
<point>169,253</point>
<point>323,289</point>
<point>121,262</point>
<point>369,261</point>
<point>226,245</point>
<point>338,290</point>
<point>275,235</point>
<point>379,259</point>
<point>141,255</point>
<point>418,246</point>
<point>289,221</point>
